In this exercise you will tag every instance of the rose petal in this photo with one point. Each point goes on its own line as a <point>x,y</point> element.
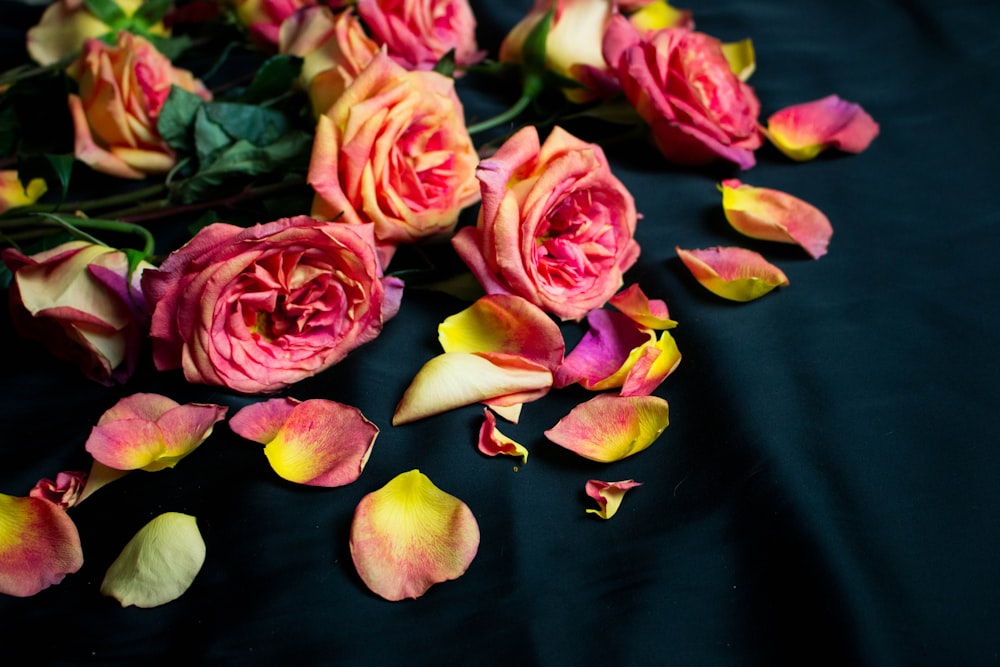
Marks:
<point>803,131</point>
<point>651,313</point>
<point>507,324</point>
<point>608,495</point>
<point>603,349</point>
<point>39,545</point>
<point>741,58</point>
<point>410,535</point>
<point>772,215</point>
<point>13,193</point>
<point>608,427</point>
<point>317,442</point>
<point>158,564</point>
<point>455,379</point>
<point>492,442</point>
<point>736,274</point>
<point>646,367</point>
<point>66,491</point>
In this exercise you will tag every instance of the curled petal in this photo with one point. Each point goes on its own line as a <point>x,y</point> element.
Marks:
<point>772,215</point>
<point>647,367</point>
<point>803,131</point>
<point>603,350</point>
<point>741,58</point>
<point>66,491</point>
<point>507,324</point>
<point>608,495</point>
<point>492,442</point>
<point>454,379</point>
<point>410,535</point>
<point>39,545</point>
<point>608,427</point>
<point>736,274</point>
<point>316,442</point>
<point>650,313</point>
<point>157,565</point>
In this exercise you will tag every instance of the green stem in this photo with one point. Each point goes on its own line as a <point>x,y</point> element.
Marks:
<point>91,204</point>
<point>77,226</point>
<point>160,208</point>
<point>505,117</point>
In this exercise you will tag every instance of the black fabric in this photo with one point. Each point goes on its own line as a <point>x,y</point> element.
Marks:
<point>825,494</point>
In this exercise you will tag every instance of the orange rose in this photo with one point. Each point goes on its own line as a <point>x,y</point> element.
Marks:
<point>122,89</point>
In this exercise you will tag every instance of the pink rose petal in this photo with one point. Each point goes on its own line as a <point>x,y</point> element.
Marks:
<point>609,428</point>
<point>608,495</point>
<point>803,131</point>
<point>39,545</point>
<point>409,535</point>
<point>736,274</point>
<point>772,215</point>
<point>66,491</point>
<point>492,442</point>
<point>316,442</point>
<point>650,313</point>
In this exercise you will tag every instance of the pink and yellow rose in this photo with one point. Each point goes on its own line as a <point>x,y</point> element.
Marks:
<point>684,88</point>
<point>263,18</point>
<point>394,151</point>
<point>80,300</point>
<point>122,88</point>
<point>260,308</point>
<point>14,193</point>
<point>556,226</point>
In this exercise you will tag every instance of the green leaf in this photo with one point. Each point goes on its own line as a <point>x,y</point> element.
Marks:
<point>176,121</point>
<point>258,125</point>
<point>209,137</point>
<point>107,12</point>
<point>276,77</point>
<point>150,12</point>
<point>10,130</point>
<point>171,47</point>
<point>62,167</point>
<point>51,167</point>
<point>446,65</point>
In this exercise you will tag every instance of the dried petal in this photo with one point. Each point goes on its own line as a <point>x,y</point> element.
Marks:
<point>608,427</point>
<point>608,495</point>
<point>772,215</point>
<point>39,545</point>
<point>803,131</point>
<point>454,379</point>
<point>492,442</point>
<point>316,442</point>
<point>736,274</point>
<point>158,564</point>
<point>410,535</point>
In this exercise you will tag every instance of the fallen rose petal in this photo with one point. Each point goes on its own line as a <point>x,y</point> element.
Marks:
<point>492,442</point>
<point>409,535</point>
<point>455,379</point>
<point>736,274</point>
<point>646,368</point>
<point>66,491</point>
<point>608,427</point>
<point>507,324</point>
<point>603,350</point>
<point>316,442</point>
<point>741,58</point>
<point>151,432</point>
<point>772,215</point>
<point>651,313</point>
<point>39,545</point>
<point>803,131</point>
<point>608,495</point>
<point>157,565</point>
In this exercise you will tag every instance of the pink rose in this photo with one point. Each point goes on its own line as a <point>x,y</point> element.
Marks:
<point>682,86</point>
<point>263,18</point>
<point>418,33</point>
<point>555,227</point>
<point>79,300</point>
<point>122,89</point>
<point>258,309</point>
<point>394,150</point>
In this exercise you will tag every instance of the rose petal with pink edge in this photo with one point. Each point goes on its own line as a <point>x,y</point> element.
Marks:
<point>409,535</point>
<point>318,442</point>
<point>492,442</point>
<point>158,564</point>
<point>507,324</point>
<point>773,215</point>
<point>39,545</point>
<point>651,313</point>
<point>609,428</point>
<point>66,491</point>
<point>455,379</point>
<point>603,350</point>
<point>646,367</point>
<point>608,495</point>
<point>803,131</point>
<point>733,273</point>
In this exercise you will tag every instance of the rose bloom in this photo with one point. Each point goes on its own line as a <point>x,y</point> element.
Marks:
<point>263,18</point>
<point>334,49</point>
<point>80,302</point>
<point>682,86</point>
<point>67,24</point>
<point>555,227</point>
<point>260,308</point>
<point>122,89</point>
<point>394,150</point>
<point>418,33</point>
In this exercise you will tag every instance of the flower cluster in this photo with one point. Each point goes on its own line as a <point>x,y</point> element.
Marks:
<point>351,111</point>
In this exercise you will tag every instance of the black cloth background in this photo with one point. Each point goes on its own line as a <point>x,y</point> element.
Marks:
<point>825,494</point>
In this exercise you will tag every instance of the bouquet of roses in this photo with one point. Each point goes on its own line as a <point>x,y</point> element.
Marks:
<point>343,121</point>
